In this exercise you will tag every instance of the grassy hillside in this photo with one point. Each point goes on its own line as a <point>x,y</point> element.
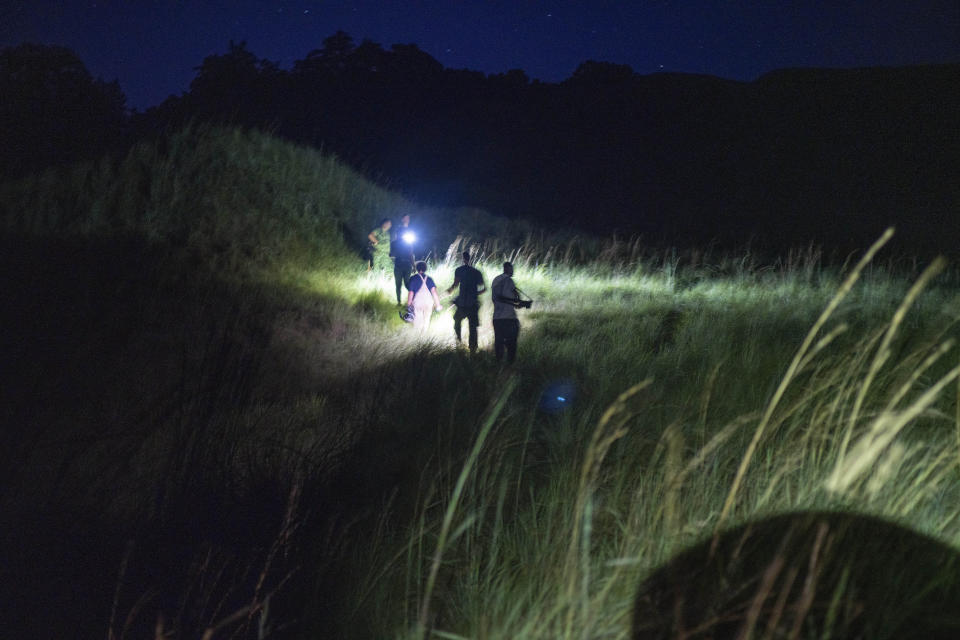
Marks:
<point>214,420</point>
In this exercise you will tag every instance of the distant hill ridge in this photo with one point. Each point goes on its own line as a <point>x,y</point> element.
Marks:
<point>800,155</point>
<point>236,200</point>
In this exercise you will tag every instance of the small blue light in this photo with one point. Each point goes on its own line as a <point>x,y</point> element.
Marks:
<point>559,396</point>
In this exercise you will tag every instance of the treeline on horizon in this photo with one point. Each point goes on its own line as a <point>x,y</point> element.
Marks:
<point>830,157</point>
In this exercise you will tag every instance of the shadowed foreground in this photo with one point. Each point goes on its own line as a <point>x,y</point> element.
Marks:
<point>805,575</point>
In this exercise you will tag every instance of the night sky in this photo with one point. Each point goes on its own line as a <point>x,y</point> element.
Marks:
<point>153,46</point>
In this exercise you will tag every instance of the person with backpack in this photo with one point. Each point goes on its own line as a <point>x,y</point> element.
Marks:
<point>471,285</point>
<point>422,297</point>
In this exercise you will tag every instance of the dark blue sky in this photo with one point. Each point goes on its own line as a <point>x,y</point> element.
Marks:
<point>152,46</point>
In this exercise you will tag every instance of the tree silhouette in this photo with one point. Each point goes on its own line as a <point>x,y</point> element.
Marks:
<point>369,57</point>
<point>800,155</point>
<point>52,111</point>
<point>236,86</point>
<point>332,57</point>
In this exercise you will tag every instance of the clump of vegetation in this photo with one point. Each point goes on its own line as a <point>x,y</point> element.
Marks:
<point>218,424</point>
<point>236,199</point>
<point>805,575</point>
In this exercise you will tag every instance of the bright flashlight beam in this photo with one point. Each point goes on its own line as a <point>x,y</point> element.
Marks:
<point>409,237</point>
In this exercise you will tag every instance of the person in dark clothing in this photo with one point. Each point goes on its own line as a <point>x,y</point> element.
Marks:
<point>471,285</point>
<point>506,326</point>
<point>401,250</point>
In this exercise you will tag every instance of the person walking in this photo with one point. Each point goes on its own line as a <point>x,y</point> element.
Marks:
<point>379,247</point>
<point>506,326</point>
<point>422,296</point>
<point>471,285</point>
<point>401,250</point>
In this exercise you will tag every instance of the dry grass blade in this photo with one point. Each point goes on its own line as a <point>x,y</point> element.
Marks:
<point>794,368</point>
<point>609,430</point>
<point>853,465</point>
<point>453,504</point>
<point>883,352</point>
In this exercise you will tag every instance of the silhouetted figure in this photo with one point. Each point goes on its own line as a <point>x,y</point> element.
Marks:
<point>53,112</point>
<point>471,285</point>
<point>422,296</point>
<point>506,326</point>
<point>402,240</point>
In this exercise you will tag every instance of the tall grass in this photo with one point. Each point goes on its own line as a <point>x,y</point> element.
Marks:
<point>855,423</point>
<point>200,355</point>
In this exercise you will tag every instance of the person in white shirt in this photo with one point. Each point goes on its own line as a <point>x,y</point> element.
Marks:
<point>506,326</point>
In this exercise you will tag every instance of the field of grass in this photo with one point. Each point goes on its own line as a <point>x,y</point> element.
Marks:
<point>215,424</point>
